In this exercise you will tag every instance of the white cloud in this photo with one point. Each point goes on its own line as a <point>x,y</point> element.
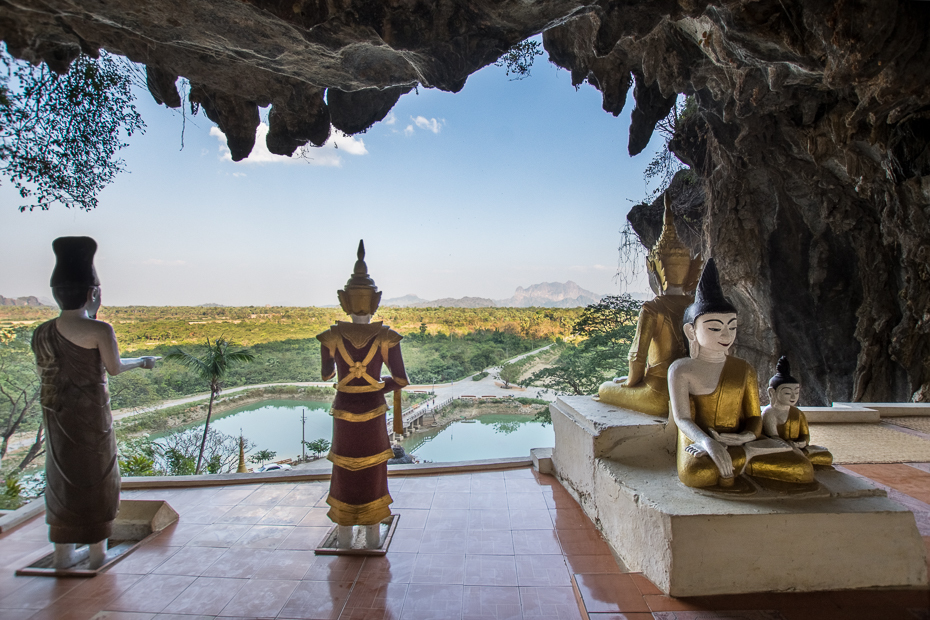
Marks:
<point>390,120</point>
<point>428,124</point>
<point>238,174</point>
<point>586,268</point>
<point>163,263</point>
<point>408,131</point>
<point>327,155</point>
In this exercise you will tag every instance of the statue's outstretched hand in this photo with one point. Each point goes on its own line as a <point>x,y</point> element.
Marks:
<point>619,379</point>
<point>148,361</point>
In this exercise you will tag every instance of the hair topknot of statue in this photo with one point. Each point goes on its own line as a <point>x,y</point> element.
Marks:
<point>74,262</point>
<point>782,374</point>
<point>709,297</point>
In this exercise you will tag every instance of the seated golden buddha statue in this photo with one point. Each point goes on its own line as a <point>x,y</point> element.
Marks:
<point>714,401</point>
<point>658,342</point>
<point>783,420</point>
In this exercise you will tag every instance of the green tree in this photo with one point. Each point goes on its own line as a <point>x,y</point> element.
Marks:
<point>607,329</point>
<point>212,366</point>
<point>518,60</point>
<point>318,446</point>
<point>262,456</point>
<point>19,387</point>
<point>59,134</point>
<point>510,373</point>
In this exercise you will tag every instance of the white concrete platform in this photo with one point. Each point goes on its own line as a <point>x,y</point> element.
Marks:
<point>620,466</point>
<point>850,413</point>
<point>891,410</point>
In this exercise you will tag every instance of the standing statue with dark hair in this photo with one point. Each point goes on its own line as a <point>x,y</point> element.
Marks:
<point>715,402</point>
<point>74,353</point>
<point>355,353</point>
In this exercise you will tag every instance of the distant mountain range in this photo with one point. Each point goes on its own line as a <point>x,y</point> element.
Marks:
<point>24,301</point>
<point>543,295</point>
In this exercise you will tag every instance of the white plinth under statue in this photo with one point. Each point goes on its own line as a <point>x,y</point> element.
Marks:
<point>620,466</point>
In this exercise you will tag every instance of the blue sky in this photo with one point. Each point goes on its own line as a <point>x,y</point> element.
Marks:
<point>504,184</point>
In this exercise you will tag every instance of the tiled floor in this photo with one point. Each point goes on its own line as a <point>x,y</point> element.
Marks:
<point>480,546</point>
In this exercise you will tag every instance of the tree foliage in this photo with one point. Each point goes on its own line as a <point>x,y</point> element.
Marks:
<point>19,389</point>
<point>211,366</point>
<point>605,331</point>
<point>518,60</point>
<point>318,446</point>
<point>59,134</point>
<point>664,165</point>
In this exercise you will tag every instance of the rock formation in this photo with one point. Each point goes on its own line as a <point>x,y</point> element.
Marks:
<point>810,138</point>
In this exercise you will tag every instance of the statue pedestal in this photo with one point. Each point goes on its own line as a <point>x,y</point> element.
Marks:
<point>620,466</point>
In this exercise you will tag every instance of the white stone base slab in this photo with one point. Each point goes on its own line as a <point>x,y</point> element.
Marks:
<point>620,466</point>
<point>892,410</point>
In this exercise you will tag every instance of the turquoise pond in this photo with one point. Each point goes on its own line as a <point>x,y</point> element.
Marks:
<point>275,425</point>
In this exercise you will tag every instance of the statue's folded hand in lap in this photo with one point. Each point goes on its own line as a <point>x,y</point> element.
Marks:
<point>715,403</point>
<point>783,420</point>
<point>658,342</point>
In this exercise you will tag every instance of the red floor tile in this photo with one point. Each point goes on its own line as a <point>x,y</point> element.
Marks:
<point>542,570</point>
<point>451,541</point>
<point>488,520</point>
<point>549,603</point>
<point>38,593</point>
<point>609,593</point>
<point>530,519</point>
<point>238,563</point>
<point>151,594</point>
<point>392,568</point>
<point>219,535</point>
<point>439,569</point>
<point>285,564</point>
<point>316,600</point>
<point>247,515</point>
<point>270,536</point>
<point>260,598</point>
<point>315,517</point>
<point>490,570</point>
<point>207,595</point>
<point>268,495</point>
<point>303,538</point>
<point>334,568</point>
<point>582,542</point>
<point>433,601</point>
<point>491,603</point>
<point>284,515</point>
<point>526,501</point>
<point>489,542</point>
<point>535,542</point>
<point>368,598</point>
<point>642,582</point>
<point>177,534</point>
<point>144,560</point>
<point>594,564</point>
<point>190,561</point>
<point>904,478</point>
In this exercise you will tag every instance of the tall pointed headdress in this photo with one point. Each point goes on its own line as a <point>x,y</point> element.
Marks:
<point>709,296</point>
<point>782,373</point>
<point>74,262</point>
<point>360,295</point>
<point>670,260</point>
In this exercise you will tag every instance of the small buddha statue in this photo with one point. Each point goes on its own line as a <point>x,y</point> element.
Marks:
<point>355,353</point>
<point>659,341</point>
<point>715,403</point>
<point>782,419</point>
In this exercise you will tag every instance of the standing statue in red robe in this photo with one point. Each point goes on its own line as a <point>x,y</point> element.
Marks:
<point>74,353</point>
<point>355,352</point>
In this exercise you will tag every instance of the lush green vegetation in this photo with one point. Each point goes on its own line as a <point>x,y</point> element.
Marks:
<point>598,352</point>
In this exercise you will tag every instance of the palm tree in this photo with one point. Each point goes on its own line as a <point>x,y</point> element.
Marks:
<point>212,366</point>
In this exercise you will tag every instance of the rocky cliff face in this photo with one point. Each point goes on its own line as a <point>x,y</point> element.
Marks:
<point>810,139</point>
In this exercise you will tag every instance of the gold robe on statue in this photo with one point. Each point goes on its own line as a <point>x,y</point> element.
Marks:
<point>734,408</point>
<point>795,429</point>
<point>659,341</point>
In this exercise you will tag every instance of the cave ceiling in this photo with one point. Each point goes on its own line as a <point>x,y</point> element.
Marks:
<point>809,141</point>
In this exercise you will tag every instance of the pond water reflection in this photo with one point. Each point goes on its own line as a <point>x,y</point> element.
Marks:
<point>275,425</point>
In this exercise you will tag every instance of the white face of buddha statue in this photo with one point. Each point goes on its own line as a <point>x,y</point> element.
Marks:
<point>714,332</point>
<point>787,394</point>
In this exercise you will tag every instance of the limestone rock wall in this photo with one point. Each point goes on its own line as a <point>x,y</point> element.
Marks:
<point>811,143</point>
<point>810,138</point>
